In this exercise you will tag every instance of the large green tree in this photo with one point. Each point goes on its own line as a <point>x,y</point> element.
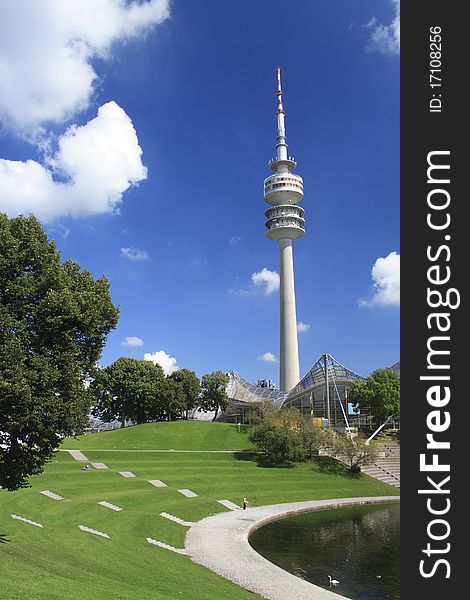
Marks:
<point>379,393</point>
<point>214,393</point>
<point>54,320</point>
<point>277,435</point>
<point>130,389</point>
<point>191,388</point>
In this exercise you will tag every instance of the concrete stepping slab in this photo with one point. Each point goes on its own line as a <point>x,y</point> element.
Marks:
<point>229,504</point>
<point>109,505</point>
<point>171,517</point>
<point>52,495</point>
<point>99,465</point>
<point>166,546</point>
<point>126,473</point>
<point>77,455</point>
<point>22,519</point>
<point>187,493</point>
<point>93,531</point>
<point>157,483</point>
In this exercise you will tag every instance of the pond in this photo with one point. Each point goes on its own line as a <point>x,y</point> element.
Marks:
<point>359,546</point>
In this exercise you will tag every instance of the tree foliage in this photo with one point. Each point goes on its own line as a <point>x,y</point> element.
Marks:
<point>131,389</point>
<point>379,393</point>
<point>354,451</point>
<point>287,436</point>
<point>313,438</point>
<point>54,320</point>
<point>214,393</point>
<point>191,388</point>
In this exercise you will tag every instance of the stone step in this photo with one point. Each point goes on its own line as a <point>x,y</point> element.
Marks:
<point>93,531</point>
<point>171,517</point>
<point>229,504</point>
<point>109,505</point>
<point>157,483</point>
<point>188,493</point>
<point>166,546</point>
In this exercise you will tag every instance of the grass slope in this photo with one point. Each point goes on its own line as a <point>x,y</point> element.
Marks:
<point>180,435</point>
<point>61,562</point>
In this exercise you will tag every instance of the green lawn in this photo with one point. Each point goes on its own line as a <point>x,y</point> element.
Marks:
<point>62,562</point>
<point>181,435</point>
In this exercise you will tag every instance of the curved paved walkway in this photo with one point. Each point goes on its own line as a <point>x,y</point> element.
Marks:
<point>220,543</point>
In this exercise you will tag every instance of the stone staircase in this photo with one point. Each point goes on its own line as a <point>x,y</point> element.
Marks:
<point>387,466</point>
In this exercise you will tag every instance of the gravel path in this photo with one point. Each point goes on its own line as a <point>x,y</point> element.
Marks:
<point>220,543</point>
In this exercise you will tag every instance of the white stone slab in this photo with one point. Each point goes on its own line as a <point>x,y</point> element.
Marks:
<point>17,518</point>
<point>126,473</point>
<point>187,493</point>
<point>93,531</point>
<point>99,465</point>
<point>51,495</point>
<point>77,455</point>
<point>157,483</point>
<point>166,546</point>
<point>109,505</point>
<point>229,504</point>
<point>176,519</point>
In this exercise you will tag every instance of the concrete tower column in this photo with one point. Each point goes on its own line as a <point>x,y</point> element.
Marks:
<point>285,223</point>
<point>289,350</point>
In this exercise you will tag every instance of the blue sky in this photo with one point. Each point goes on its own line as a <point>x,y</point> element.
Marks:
<point>141,139</point>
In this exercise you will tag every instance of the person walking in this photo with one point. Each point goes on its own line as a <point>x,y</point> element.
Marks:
<point>245,502</point>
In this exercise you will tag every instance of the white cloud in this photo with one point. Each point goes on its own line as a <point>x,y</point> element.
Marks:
<point>268,357</point>
<point>47,50</point>
<point>386,277</point>
<point>167,362</point>
<point>134,254</point>
<point>132,341</point>
<point>96,163</point>
<point>386,38</point>
<point>302,327</point>
<point>235,240</point>
<point>268,279</point>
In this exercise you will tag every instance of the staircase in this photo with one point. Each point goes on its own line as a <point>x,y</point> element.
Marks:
<point>387,466</point>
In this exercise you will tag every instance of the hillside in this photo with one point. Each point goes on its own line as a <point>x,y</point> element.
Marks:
<point>61,562</point>
<point>177,435</point>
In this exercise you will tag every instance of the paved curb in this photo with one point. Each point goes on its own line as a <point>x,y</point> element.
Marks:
<point>220,543</point>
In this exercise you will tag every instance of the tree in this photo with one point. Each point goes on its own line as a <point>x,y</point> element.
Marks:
<point>191,388</point>
<point>258,411</point>
<point>379,393</point>
<point>277,434</point>
<point>174,402</point>
<point>214,393</point>
<point>54,320</point>
<point>283,446</point>
<point>130,389</point>
<point>353,451</point>
<point>313,437</point>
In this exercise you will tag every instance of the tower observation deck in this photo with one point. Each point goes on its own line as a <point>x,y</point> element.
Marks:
<point>285,223</point>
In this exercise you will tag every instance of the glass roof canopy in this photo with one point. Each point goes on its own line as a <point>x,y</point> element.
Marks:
<point>239,390</point>
<point>316,376</point>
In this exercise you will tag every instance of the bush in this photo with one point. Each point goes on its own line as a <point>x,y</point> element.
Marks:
<point>354,452</point>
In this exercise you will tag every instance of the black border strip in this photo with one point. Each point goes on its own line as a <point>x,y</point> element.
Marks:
<point>422,247</point>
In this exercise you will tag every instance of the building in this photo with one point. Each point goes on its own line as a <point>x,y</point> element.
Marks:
<point>285,223</point>
<point>323,392</point>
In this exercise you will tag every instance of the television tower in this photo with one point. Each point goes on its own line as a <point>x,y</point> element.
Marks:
<point>285,223</point>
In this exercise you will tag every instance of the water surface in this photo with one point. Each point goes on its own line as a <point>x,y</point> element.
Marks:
<point>357,545</point>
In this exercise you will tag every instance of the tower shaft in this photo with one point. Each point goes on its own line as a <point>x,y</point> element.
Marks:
<point>289,350</point>
<point>285,223</point>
